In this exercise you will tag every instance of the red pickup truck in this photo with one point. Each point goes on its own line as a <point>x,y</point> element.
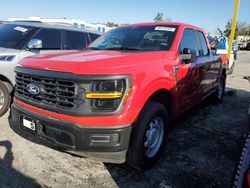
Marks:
<point>114,100</point>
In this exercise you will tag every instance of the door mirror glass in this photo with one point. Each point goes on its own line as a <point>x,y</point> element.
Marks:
<point>188,48</point>
<point>186,51</point>
<point>35,44</point>
<point>186,55</point>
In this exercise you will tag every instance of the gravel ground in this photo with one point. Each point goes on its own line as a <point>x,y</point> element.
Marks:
<point>203,150</point>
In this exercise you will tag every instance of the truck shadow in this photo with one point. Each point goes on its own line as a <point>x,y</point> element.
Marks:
<point>10,177</point>
<point>204,147</point>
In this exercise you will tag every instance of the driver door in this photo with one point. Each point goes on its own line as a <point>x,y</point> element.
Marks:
<point>190,73</point>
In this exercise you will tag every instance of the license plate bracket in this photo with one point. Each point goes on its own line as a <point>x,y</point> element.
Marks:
<point>29,124</point>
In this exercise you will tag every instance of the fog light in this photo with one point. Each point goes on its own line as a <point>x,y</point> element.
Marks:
<point>109,139</point>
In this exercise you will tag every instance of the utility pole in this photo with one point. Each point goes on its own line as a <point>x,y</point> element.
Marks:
<point>233,27</point>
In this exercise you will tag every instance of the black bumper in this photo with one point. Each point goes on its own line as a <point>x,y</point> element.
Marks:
<point>105,144</point>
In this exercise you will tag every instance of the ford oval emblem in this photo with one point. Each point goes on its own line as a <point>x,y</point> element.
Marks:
<point>33,89</point>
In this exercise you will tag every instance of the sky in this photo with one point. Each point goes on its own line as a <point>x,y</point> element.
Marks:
<point>209,14</point>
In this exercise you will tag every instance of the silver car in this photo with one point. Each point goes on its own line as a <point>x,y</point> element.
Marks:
<point>19,40</point>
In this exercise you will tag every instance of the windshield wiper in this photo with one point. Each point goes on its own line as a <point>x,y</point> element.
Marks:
<point>124,48</point>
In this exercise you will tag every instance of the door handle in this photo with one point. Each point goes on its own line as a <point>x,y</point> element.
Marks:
<point>176,69</point>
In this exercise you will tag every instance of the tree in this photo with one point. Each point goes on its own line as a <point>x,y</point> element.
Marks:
<point>242,28</point>
<point>111,24</point>
<point>227,30</point>
<point>159,17</point>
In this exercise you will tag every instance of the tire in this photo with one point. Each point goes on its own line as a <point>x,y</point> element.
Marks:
<point>217,96</point>
<point>148,136</point>
<point>5,99</point>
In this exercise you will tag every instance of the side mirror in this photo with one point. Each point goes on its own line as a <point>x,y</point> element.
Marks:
<point>35,44</point>
<point>186,55</point>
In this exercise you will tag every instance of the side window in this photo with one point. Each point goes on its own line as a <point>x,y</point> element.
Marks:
<point>189,41</point>
<point>51,38</point>
<point>93,36</point>
<point>203,44</point>
<point>75,40</point>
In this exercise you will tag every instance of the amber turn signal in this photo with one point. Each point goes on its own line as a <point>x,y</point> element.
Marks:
<point>112,95</point>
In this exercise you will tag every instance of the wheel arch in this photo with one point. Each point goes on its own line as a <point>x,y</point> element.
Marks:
<point>7,82</point>
<point>163,96</point>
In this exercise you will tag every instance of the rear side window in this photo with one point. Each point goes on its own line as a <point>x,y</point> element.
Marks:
<point>75,40</point>
<point>203,44</point>
<point>51,38</point>
<point>189,41</point>
<point>93,36</point>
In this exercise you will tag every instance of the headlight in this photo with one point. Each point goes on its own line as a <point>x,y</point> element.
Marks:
<point>107,95</point>
<point>7,58</point>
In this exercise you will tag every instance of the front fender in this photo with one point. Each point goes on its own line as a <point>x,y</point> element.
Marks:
<point>142,92</point>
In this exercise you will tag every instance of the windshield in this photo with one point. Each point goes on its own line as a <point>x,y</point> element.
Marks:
<point>10,35</point>
<point>138,38</point>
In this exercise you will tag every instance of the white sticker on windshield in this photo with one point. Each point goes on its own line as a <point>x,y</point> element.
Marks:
<point>161,28</point>
<point>22,29</point>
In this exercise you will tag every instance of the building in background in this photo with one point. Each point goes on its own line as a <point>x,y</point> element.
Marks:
<point>69,22</point>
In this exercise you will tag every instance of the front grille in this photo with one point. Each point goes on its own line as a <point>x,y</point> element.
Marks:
<point>53,92</point>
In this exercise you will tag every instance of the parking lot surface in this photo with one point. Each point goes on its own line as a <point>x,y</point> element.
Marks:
<point>203,150</point>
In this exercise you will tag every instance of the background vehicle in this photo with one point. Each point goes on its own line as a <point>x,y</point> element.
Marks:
<point>221,44</point>
<point>248,45</point>
<point>19,40</point>
<point>242,45</point>
<point>114,101</point>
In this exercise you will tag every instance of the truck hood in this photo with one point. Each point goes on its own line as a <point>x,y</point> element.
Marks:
<point>94,62</point>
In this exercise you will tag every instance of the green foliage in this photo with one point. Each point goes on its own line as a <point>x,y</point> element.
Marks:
<point>159,17</point>
<point>111,24</point>
<point>242,28</point>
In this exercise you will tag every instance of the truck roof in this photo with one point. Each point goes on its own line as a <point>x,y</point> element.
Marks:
<point>164,23</point>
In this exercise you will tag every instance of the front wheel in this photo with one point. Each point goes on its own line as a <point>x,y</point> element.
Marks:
<point>148,136</point>
<point>5,99</point>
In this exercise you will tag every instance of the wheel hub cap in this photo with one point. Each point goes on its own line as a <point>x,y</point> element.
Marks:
<point>1,99</point>
<point>154,136</point>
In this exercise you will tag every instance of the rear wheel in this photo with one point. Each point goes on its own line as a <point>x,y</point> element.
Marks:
<point>148,136</point>
<point>220,90</point>
<point>5,99</point>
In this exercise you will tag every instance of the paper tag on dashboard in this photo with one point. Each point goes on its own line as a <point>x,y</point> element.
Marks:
<point>162,28</point>
<point>22,29</point>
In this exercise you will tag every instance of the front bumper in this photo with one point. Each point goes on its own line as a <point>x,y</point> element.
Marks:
<point>107,144</point>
